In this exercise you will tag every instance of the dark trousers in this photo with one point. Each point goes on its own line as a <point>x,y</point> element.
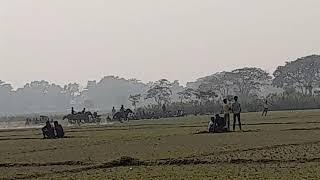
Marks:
<point>235,117</point>
<point>265,111</point>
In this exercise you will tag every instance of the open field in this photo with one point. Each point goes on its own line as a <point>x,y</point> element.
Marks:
<point>284,145</point>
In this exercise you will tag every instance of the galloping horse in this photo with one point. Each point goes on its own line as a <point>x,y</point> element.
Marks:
<point>78,118</point>
<point>119,116</point>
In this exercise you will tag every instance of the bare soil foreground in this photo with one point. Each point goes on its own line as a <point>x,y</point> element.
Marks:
<point>284,145</point>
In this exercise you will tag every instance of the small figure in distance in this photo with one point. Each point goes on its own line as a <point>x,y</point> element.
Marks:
<point>164,108</point>
<point>211,125</point>
<point>113,111</point>
<point>72,111</point>
<point>122,110</point>
<point>265,108</point>
<point>83,111</point>
<point>236,109</point>
<point>59,130</point>
<point>227,111</point>
<point>108,118</point>
<point>48,131</point>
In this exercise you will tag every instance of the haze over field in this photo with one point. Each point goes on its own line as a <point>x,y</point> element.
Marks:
<point>80,40</point>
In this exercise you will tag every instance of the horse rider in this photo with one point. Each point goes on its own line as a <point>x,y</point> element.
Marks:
<point>72,111</point>
<point>113,111</point>
<point>122,111</point>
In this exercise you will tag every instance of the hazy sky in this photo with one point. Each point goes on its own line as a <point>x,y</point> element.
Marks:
<point>80,40</point>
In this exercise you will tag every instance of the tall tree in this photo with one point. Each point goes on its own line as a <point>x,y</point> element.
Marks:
<point>5,96</point>
<point>248,81</point>
<point>205,93</point>
<point>219,83</point>
<point>186,94</point>
<point>73,89</point>
<point>160,91</point>
<point>135,99</point>
<point>302,74</point>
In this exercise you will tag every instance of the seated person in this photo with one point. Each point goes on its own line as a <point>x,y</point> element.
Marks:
<point>211,125</point>
<point>48,131</point>
<point>220,124</point>
<point>59,130</point>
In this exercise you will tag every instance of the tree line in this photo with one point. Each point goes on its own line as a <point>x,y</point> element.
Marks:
<point>294,85</point>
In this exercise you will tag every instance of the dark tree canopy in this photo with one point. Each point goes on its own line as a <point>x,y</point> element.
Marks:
<point>160,91</point>
<point>303,74</point>
<point>186,94</point>
<point>219,83</point>
<point>135,99</point>
<point>248,81</point>
<point>295,80</point>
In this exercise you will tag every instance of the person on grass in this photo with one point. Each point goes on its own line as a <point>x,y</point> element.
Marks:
<point>48,131</point>
<point>236,109</point>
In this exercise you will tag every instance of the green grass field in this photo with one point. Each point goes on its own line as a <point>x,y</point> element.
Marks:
<point>284,145</point>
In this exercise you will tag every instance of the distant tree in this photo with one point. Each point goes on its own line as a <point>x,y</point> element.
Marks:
<point>219,82</point>
<point>248,81</point>
<point>89,104</point>
<point>205,93</point>
<point>303,74</point>
<point>73,89</point>
<point>134,80</point>
<point>135,99</point>
<point>5,88</point>
<point>160,91</point>
<point>5,96</point>
<point>186,94</point>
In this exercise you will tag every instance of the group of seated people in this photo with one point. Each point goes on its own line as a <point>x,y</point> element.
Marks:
<point>217,125</point>
<point>50,132</point>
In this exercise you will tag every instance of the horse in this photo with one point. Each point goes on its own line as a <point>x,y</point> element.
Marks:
<point>119,115</point>
<point>78,118</point>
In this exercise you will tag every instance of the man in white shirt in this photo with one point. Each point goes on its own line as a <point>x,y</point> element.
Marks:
<point>236,109</point>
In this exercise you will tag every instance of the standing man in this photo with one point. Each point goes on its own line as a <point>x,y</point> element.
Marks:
<point>236,109</point>
<point>265,108</point>
<point>226,111</point>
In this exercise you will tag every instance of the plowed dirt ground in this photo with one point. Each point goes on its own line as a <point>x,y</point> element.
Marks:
<point>284,145</point>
